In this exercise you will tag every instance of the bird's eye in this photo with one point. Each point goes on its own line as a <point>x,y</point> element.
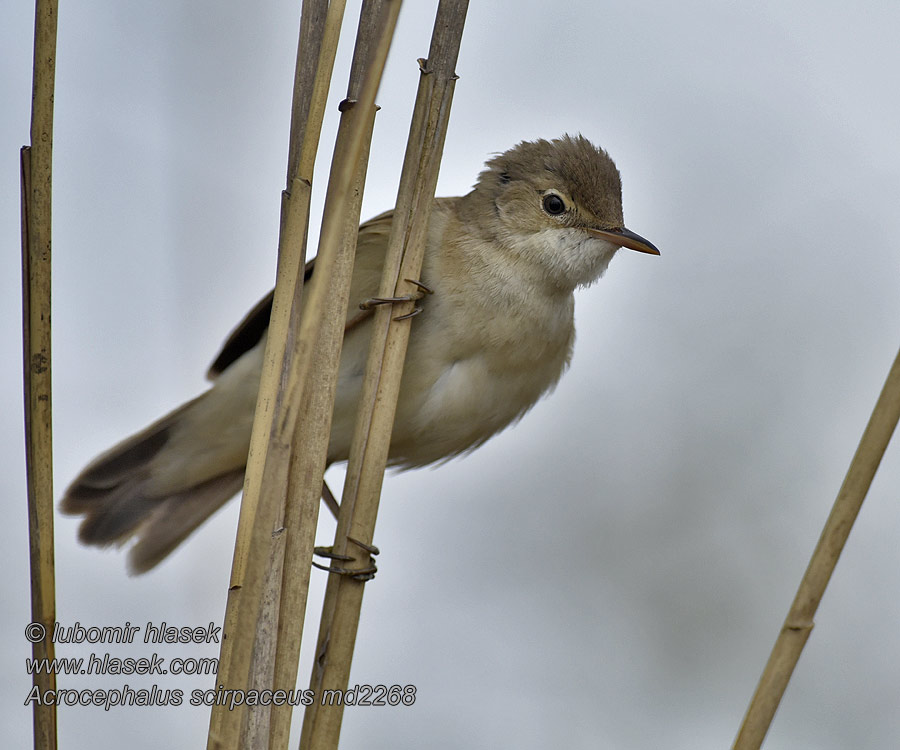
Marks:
<point>554,205</point>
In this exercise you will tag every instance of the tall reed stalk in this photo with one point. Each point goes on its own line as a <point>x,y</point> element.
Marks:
<point>800,619</point>
<point>297,389</point>
<point>37,182</point>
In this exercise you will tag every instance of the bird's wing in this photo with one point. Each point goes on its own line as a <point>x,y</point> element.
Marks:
<point>370,249</point>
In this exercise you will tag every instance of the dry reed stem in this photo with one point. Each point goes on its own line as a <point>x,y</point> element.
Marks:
<point>313,428</point>
<point>290,585</point>
<point>369,449</point>
<point>320,28</point>
<point>305,488</point>
<point>36,175</point>
<point>290,538</point>
<point>305,376</point>
<point>269,452</point>
<point>314,375</point>
<point>799,622</point>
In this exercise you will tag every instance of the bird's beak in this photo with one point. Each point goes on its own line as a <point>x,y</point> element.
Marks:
<point>625,238</point>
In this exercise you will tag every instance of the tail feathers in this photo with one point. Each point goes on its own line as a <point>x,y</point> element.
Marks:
<point>110,515</point>
<point>119,466</point>
<point>116,497</point>
<point>172,520</point>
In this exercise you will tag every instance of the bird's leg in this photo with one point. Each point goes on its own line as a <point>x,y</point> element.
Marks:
<point>414,297</point>
<point>328,498</point>
<point>359,574</point>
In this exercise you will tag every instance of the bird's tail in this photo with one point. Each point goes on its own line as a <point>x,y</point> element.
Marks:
<point>158,486</point>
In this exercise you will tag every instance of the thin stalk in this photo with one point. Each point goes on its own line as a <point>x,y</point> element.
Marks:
<point>36,173</point>
<point>320,28</point>
<point>306,120</point>
<point>270,449</point>
<point>313,428</point>
<point>266,513</point>
<point>800,619</point>
<point>371,441</point>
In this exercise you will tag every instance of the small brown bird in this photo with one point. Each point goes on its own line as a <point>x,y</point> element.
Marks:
<point>503,261</point>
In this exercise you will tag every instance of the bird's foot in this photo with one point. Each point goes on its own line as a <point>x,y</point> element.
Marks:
<point>414,297</point>
<point>366,573</point>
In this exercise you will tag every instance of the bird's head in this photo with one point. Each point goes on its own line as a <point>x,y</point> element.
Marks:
<point>558,204</point>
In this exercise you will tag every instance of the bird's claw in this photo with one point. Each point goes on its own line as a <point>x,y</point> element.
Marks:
<point>361,574</point>
<point>370,548</point>
<point>357,574</point>
<point>417,295</point>
<point>329,553</point>
<point>415,311</point>
<point>423,289</point>
<point>375,301</point>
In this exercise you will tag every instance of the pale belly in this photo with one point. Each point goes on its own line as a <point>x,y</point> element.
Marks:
<point>448,402</point>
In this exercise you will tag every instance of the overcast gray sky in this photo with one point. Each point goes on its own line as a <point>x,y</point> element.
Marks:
<point>666,497</point>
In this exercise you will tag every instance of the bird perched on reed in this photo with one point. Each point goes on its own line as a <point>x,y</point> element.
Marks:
<point>495,335</point>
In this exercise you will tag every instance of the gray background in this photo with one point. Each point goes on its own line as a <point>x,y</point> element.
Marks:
<point>612,571</point>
